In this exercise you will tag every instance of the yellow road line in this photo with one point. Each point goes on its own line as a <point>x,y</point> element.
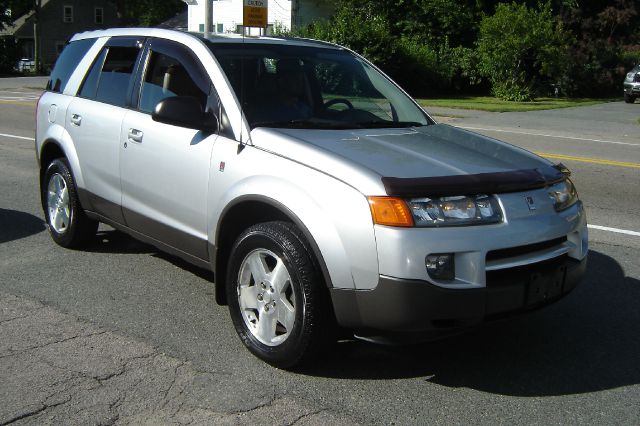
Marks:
<point>589,160</point>
<point>21,103</point>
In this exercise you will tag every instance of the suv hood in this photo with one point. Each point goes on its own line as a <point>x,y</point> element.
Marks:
<point>411,154</point>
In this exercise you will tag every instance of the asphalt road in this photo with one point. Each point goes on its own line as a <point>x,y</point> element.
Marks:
<point>575,362</point>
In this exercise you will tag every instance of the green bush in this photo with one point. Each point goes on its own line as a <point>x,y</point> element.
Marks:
<point>419,67</point>
<point>521,50</point>
<point>360,30</point>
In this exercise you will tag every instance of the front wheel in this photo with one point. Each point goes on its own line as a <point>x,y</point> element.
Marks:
<point>276,296</point>
<point>68,224</point>
<point>629,98</point>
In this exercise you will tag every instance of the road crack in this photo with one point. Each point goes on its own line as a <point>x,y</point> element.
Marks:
<point>34,412</point>
<point>21,351</point>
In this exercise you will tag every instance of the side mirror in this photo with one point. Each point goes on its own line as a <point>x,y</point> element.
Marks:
<point>184,111</point>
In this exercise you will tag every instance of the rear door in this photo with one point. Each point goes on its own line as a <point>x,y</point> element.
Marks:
<point>164,169</point>
<point>94,122</point>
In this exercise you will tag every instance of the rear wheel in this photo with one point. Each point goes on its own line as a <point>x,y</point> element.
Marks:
<point>68,225</point>
<point>276,296</point>
<point>629,98</point>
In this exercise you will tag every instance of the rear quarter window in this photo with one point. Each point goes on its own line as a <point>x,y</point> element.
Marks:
<point>67,63</point>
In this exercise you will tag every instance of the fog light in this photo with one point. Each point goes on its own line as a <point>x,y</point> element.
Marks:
<point>441,266</point>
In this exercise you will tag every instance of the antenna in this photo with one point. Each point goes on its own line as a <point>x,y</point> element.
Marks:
<point>242,87</point>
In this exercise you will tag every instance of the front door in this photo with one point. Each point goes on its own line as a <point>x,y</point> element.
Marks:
<point>164,169</point>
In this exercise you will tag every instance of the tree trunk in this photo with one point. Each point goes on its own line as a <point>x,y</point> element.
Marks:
<point>121,11</point>
<point>37,42</point>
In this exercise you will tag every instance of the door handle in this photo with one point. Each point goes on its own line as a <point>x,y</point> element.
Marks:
<point>135,135</point>
<point>76,119</point>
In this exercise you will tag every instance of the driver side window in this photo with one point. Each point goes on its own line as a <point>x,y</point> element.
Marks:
<point>167,76</point>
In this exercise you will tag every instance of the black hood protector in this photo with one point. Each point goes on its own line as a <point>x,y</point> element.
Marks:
<point>482,183</point>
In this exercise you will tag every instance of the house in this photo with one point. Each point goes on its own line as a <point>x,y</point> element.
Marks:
<point>227,14</point>
<point>58,21</point>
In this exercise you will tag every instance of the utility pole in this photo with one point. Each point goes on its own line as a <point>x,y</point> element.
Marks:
<point>207,18</point>
<point>37,56</point>
<point>294,14</point>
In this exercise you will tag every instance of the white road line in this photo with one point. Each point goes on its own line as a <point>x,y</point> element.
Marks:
<point>17,137</point>
<point>616,230</point>
<point>18,93</point>
<point>548,135</point>
<point>17,98</point>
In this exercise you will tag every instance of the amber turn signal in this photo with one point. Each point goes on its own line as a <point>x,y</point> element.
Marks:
<point>390,211</point>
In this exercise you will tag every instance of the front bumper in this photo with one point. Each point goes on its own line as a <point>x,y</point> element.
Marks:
<point>397,305</point>
<point>632,88</point>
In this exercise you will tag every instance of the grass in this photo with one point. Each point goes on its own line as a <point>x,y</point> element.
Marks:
<point>491,104</point>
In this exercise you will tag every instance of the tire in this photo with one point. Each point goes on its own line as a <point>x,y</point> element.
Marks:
<point>68,224</point>
<point>629,98</point>
<point>276,296</point>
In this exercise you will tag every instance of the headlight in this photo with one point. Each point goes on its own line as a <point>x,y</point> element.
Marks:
<point>455,211</point>
<point>563,194</point>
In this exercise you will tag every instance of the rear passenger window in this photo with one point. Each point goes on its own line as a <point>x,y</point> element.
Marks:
<point>67,63</point>
<point>114,80</point>
<point>167,76</point>
<point>109,78</point>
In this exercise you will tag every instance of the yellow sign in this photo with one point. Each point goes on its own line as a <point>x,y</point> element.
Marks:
<point>254,13</point>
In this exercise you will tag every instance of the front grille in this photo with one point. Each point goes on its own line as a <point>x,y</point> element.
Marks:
<point>522,250</point>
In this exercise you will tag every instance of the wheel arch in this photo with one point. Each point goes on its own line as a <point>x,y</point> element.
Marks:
<point>58,142</point>
<point>237,216</point>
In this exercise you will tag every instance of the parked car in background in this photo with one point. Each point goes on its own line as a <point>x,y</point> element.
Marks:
<point>318,192</point>
<point>632,85</point>
<point>25,65</point>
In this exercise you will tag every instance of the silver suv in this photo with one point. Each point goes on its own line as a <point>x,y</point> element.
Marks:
<point>319,193</point>
<point>632,85</point>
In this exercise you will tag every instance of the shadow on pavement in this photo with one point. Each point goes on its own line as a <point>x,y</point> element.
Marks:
<point>588,342</point>
<point>15,225</point>
<point>113,241</point>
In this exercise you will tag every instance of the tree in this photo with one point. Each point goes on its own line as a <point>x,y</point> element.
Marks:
<point>601,32</point>
<point>147,13</point>
<point>521,50</point>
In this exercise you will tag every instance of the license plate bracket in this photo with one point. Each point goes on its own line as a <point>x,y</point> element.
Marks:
<point>545,285</point>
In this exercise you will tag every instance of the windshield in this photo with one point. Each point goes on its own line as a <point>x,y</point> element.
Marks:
<point>313,87</point>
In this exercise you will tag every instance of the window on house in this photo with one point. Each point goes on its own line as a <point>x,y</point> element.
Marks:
<point>67,14</point>
<point>220,28</point>
<point>239,29</point>
<point>98,14</point>
<point>201,28</point>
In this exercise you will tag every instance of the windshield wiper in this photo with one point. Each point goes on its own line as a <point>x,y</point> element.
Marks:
<point>388,124</point>
<point>303,124</point>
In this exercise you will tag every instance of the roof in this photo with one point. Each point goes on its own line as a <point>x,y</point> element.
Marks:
<point>20,22</point>
<point>178,22</point>
<point>181,36</point>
